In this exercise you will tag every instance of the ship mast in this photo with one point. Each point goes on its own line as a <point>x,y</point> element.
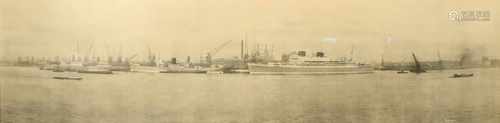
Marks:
<point>382,61</point>
<point>246,48</point>
<point>439,60</point>
<point>242,51</point>
<point>75,55</point>
<point>352,54</point>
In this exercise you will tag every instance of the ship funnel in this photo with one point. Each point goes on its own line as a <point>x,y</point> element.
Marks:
<point>320,54</point>
<point>174,60</point>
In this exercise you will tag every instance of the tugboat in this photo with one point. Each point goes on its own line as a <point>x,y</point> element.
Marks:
<point>462,75</point>
<point>67,77</point>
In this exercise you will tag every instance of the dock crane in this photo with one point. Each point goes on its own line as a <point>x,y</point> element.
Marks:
<point>212,53</point>
<point>131,57</point>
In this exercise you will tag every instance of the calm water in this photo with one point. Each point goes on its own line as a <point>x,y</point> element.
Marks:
<point>30,95</point>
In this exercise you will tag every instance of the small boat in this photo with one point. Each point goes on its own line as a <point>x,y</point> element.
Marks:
<point>461,75</point>
<point>67,77</point>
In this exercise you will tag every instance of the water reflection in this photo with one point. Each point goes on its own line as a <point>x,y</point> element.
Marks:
<point>29,95</point>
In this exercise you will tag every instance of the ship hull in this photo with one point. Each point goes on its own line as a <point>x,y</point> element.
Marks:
<point>183,71</point>
<point>120,68</point>
<point>67,78</point>
<point>96,71</point>
<point>301,70</point>
<point>176,68</point>
<point>146,69</point>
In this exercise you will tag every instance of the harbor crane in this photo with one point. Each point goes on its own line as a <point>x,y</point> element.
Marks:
<point>131,57</point>
<point>212,53</point>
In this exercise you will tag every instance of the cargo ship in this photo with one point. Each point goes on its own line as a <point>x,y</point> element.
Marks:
<point>299,63</point>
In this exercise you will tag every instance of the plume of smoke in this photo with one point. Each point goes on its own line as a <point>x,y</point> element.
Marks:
<point>471,54</point>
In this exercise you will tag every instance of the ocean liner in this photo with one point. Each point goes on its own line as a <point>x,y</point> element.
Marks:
<point>299,63</point>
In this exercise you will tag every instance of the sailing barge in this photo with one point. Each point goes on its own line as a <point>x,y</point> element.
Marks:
<point>418,68</point>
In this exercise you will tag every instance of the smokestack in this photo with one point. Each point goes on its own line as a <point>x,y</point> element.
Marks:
<point>174,60</point>
<point>242,50</point>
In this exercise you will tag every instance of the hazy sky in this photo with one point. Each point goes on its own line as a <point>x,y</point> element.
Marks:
<point>192,27</point>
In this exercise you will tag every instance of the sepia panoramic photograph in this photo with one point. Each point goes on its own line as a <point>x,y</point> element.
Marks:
<point>249,61</point>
